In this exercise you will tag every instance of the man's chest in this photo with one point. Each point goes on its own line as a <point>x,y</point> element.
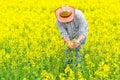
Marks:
<point>73,26</point>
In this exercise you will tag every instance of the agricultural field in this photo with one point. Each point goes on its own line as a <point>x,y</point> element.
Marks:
<point>31,47</point>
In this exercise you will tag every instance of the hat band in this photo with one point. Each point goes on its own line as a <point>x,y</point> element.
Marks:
<point>66,16</point>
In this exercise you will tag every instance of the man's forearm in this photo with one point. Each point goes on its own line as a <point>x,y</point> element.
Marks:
<point>66,39</point>
<point>80,37</point>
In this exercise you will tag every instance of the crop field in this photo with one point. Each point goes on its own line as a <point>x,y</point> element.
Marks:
<point>31,47</point>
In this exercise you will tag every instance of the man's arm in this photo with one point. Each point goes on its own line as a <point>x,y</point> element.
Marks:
<point>66,39</point>
<point>82,26</point>
<point>64,34</point>
<point>61,29</point>
<point>80,38</point>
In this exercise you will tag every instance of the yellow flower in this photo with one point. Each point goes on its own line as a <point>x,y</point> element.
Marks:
<point>7,56</point>
<point>47,76</point>
<point>24,78</point>
<point>106,68</point>
<point>62,76</point>
<point>69,73</point>
<point>80,76</point>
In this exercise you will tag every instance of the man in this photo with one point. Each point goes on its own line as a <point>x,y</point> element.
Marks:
<point>73,28</point>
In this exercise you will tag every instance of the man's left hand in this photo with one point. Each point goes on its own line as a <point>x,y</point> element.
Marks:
<point>76,43</point>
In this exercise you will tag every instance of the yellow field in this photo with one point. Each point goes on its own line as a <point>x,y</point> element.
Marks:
<point>31,47</point>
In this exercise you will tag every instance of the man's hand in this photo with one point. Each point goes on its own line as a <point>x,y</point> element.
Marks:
<point>75,43</point>
<point>68,42</point>
<point>70,45</point>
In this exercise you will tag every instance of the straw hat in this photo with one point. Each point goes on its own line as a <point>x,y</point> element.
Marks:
<point>65,14</point>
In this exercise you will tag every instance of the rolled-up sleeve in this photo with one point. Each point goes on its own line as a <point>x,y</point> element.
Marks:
<point>83,26</point>
<point>62,29</point>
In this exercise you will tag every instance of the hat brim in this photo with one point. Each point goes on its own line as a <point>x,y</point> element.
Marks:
<point>67,19</point>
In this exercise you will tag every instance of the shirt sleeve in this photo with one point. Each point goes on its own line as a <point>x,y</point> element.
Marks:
<point>62,29</point>
<point>83,26</point>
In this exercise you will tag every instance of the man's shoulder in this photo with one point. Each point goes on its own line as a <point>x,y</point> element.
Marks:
<point>78,14</point>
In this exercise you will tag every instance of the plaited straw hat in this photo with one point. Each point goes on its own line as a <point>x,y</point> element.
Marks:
<point>65,14</point>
